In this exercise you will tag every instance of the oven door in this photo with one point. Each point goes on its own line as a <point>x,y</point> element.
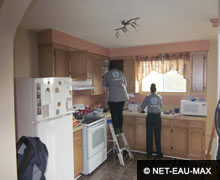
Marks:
<point>97,138</point>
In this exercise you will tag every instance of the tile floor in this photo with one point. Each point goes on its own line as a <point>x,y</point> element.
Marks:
<point>111,169</point>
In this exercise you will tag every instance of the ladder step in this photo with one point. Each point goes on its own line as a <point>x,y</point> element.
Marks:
<point>124,148</point>
<point>111,140</point>
<point>118,135</point>
<point>116,144</point>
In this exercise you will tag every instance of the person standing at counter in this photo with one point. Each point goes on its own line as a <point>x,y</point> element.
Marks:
<point>153,121</point>
<point>115,81</point>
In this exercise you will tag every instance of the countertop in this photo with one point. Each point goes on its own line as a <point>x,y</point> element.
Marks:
<point>77,128</point>
<point>177,116</point>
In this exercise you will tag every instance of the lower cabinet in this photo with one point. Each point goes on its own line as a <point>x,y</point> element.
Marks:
<point>196,140</point>
<point>78,152</point>
<point>179,138</point>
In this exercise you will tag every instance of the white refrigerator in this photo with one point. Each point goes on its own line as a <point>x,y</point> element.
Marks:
<point>44,109</point>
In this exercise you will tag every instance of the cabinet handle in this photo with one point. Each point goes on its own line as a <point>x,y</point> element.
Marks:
<point>171,130</point>
<point>171,147</point>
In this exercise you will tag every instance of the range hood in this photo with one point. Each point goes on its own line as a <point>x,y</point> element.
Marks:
<point>83,85</point>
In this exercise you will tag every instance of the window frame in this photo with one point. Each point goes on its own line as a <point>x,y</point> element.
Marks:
<point>188,82</point>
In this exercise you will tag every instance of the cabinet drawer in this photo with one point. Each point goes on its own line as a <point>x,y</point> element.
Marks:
<point>196,124</point>
<point>180,123</point>
<point>77,135</point>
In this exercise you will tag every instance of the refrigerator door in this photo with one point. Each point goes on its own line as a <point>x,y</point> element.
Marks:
<point>53,97</point>
<point>57,134</point>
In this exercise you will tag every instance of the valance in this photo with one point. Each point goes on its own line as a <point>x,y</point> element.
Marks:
<point>163,64</point>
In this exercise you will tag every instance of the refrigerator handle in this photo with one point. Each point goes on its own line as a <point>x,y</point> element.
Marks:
<point>217,120</point>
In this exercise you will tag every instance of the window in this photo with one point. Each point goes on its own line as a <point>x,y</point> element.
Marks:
<point>169,73</point>
<point>171,81</point>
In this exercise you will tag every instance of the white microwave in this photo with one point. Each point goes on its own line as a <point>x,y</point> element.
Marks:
<point>193,108</point>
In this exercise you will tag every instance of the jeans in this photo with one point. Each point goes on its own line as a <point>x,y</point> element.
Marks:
<point>116,109</point>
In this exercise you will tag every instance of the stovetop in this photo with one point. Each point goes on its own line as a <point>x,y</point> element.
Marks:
<point>92,120</point>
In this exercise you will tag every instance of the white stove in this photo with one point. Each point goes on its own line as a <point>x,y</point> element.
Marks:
<point>94,144</point>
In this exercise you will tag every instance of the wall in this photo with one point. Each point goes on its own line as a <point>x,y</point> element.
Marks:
<point>25,54</point>
<point>212,84</point>
<point>85,97</point>
<point>170,102</point>
<point>11,13</point>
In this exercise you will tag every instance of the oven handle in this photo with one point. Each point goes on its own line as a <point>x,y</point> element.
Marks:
<point>98,125</point>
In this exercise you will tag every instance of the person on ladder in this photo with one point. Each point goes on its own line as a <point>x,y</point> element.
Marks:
<point>153,121</point>
<point>115,81</point>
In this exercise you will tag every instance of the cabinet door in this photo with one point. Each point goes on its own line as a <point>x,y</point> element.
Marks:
<point>61,63</point>
<point>78,153</point>
<point>196,143</point>
<point>166,133</point>
<point>79,68</point>
<point>180,141</point>
<point>140,133</point>
<point>129,72</point>
<point>46,61</point>
<point>128,128</point>
<point>78,157</point>
<point>97,75</point>
<point>198,72</point>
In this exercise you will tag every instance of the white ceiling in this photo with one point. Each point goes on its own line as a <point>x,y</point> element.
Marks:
<point>161,21</point>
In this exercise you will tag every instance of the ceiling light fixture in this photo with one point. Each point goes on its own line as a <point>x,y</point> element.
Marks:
<point>132,22</point>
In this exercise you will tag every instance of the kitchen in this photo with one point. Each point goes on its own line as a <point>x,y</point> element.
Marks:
<point>26,65</point>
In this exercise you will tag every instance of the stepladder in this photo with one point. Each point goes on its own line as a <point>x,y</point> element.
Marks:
<point>116,146</point>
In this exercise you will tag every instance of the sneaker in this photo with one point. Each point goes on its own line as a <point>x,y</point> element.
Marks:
<point>149,156</point>
<point>120,130</point>
<point>159,156</point>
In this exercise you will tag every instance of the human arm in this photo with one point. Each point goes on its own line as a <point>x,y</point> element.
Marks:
<point>144,103</point>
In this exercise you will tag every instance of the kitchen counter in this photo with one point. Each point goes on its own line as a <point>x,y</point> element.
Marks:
<point>167,116</point>
<point>77,128</point>
<point>181,136</point>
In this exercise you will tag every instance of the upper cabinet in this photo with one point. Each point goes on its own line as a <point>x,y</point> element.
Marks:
<point>61,63</point>
<point>53,62</point>
<point>129,72</point>
<point>97,75</point>
<point>81,65</point>
<point>56,61</point>
<point>198,71</point>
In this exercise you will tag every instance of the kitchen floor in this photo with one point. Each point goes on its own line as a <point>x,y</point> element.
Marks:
<point>111,169</point>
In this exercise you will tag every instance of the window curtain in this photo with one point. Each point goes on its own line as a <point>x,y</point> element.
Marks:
<point>163,64</point>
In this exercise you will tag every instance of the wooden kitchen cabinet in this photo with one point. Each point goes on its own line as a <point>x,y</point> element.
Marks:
<point>198,71</point>
<point>179,138</point>
<point>166,137</point>
<point>140,133</point>
<point>128,128</point>
<point>129,73</point>
<point>97,75</point>
<point>196,140</point>
<point>174,137</point>
<point>61,63</point>
<point>53,62</point>
<point>81,65</point>
<point>78,152</point>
